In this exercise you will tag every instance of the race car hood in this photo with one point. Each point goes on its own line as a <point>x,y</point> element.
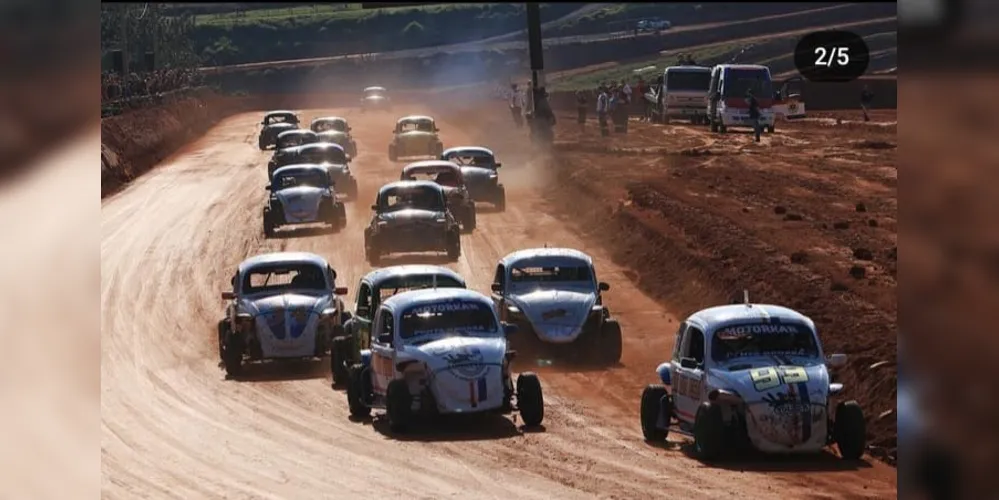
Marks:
<point>466,371</point>
<point>784,411</point>
<point>276,128</point>
<point>555,315</point>
<point>416,135</point>
<point>335,137</point>
<point>288,315</point>
<point>475,175</point>
<point>411,215</point>
<point>300,203</point>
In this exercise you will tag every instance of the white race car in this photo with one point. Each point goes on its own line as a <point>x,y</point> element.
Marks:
<point>438,351</point>
<point>554,293</point>
<point>752,374</point>
<point>282,305</point>
<point>302,194</point>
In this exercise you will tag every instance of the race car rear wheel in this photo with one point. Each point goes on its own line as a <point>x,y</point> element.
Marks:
<point>530,399</point>
<point>470,219</point>
<point>770,129</point>
<point>500,200</point>
<point>453,246</point>
<point>850,430</point>
<point>261,144</point>
<point>656,402</point>
<point>340,356</point>
<point>373,254</point>
<point>610,343</point>
<point>398,405</point>
<point>268,224</point>
<point>709,432</point>
<point>358,391</point>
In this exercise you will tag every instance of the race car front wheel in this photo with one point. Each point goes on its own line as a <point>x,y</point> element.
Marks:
<point>232,354</point>
<point>358,389</point>
<point>850,430</point>
<point>709,432</point>
<point>398,405</point>
<point>454,247</point>
<point>610,343</point>
<point>530,399</point>
<point>339,357</point>
<point>657,408</point>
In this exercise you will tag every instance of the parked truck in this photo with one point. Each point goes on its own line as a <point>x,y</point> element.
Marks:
<point>681,92</point>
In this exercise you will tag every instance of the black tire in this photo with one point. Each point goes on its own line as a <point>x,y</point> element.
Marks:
<point>530,399</point>
<point>714,125</point>
<point>261,144</point>
<point>223,330</point>
<point>438,150</point>
<point>500,200</point>
<point>652,406</point>
<point>232,354</point>
<point>268,224</point>
<point>358,388</point>
<point>709,432</point>
<point>850,430</point>
<point>770,129</point>
<point>373,254</point>
<point>722,128</point>
<point>610,343</point>
<point>339,359</point>
<point>454,247</point>
<point>398,405</point>
<point>470,219</point>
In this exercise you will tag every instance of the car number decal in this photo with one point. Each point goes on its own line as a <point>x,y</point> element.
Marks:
<point>770,377</point>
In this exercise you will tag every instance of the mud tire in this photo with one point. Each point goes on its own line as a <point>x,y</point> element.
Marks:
<point>358,391</point>
<point>398,405</point>
<point>530,399</point>
<point>709,432</point>
<point>652,405</point>
<point>850,430</point>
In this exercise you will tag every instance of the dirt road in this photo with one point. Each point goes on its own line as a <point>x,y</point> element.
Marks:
<point>172,426</point>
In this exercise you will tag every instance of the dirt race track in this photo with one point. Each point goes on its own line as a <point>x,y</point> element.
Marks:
<point>172,426</point>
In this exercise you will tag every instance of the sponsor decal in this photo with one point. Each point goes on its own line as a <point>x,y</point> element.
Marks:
<point>447,307</point>
<point>466,362</point>
<point>735,332</point>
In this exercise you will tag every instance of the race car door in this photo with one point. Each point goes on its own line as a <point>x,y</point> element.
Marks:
<point>499,282</point>
<point>689,374</point>
<point>382,351</point>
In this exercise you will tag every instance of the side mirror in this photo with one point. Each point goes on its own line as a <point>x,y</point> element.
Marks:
<point>362,311</point>
<point>688,363</point>
<point>228,295</point>
<point>509,329</point>
<point>340,290</point>
<point>496,287</point>
<point>836,360</point>
<point>603,286</point>
<point>374,207</point>
<point>385,338</point>
<point>498,165</point>
<point>267,187</point>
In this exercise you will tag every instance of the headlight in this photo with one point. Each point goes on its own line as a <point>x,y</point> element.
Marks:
<point>382,223</point>
<point>441,221</point>
<point>244,321</point>
<point>513,309</point>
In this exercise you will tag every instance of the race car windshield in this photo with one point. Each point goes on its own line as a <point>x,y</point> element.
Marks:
<point>270,120</point>
<point>579,274</point>
<point>417,199</point>
<point>312,179</point>
<point>757,339</point>
<point>291,141</point>
<point>688,80</point>
<point>422,126</point>
<point>452,317</point>
<point>373,92</point>
<point>419,282</point>
<point>738,81</point>
<point>281,277</point>
<point>473,160</point>
<point>323,126</point>
<point>326,155</point>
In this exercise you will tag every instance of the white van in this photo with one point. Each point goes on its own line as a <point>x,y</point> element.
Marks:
<point>727,104</point>
<point>684,92</point>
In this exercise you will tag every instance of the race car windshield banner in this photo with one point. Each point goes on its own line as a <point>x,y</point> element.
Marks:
<point>448,317</point>
<point>759,339</point>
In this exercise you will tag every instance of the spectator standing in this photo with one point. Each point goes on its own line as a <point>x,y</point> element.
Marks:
<point>581,103</point>
<point>623,110</point>
<point>643,104</point>
<point>754,113</point>
<point>516,106</point>
<point>866,96</point>
<point>603,106</point>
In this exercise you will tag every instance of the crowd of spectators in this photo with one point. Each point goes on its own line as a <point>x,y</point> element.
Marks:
<point>142,87</point>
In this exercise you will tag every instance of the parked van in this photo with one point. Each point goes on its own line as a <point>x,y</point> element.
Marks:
<point>728,106</point>
<point>682,94</point>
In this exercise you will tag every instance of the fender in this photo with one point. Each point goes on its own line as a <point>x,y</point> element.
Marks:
<point>663,371</point>
<point>366,358</point>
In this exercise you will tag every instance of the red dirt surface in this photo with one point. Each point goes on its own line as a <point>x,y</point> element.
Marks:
<point>806,218</point>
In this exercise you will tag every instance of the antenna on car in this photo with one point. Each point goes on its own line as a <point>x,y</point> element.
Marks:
<point>433,282</point>
<point>745,298</point>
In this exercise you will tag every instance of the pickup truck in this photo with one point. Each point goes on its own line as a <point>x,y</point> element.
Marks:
<point>680,92</point>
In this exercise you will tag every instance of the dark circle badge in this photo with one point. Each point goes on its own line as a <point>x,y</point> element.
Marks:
<point>832,56</point>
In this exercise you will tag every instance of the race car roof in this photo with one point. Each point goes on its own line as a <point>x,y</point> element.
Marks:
<point>540,257</point>
<point>280,112</point>
<point>714,318</point>
<point>297,131</point>
<point>299,168</point>
<point>436,164</point>
<point>467,149</point>
<point>431,295</point>
<point>402,185</point>
<point>379,276</point>
<point>415,118</point>
<point>329,119</point>
<point>281,258</point>
<point>373,88</point>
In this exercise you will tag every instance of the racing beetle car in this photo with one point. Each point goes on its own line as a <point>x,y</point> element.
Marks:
<point>415,136</point>
<point>294,137</point>
<point>282,305</point>
<point>302,194</point>
<point>336,130</point>
<point>411,216</point>
<point>331,156</point>
<point>440,351</point>
<point>554,293</point>
<point>375,287</point>
<point>479,166</point>
<point>273,124</point>
<point>448,175</point>
<point>752,374</point>
<point>375,98</point>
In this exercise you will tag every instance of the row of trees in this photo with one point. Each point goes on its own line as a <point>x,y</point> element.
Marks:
<point>136,29</point>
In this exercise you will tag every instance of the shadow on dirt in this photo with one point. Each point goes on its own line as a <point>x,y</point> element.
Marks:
<point>487,208</point>
<point>478,427</point>
<point>282,370</point>
<point>755,461</point>
<point>302,232</point>
<point>421,259</point>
